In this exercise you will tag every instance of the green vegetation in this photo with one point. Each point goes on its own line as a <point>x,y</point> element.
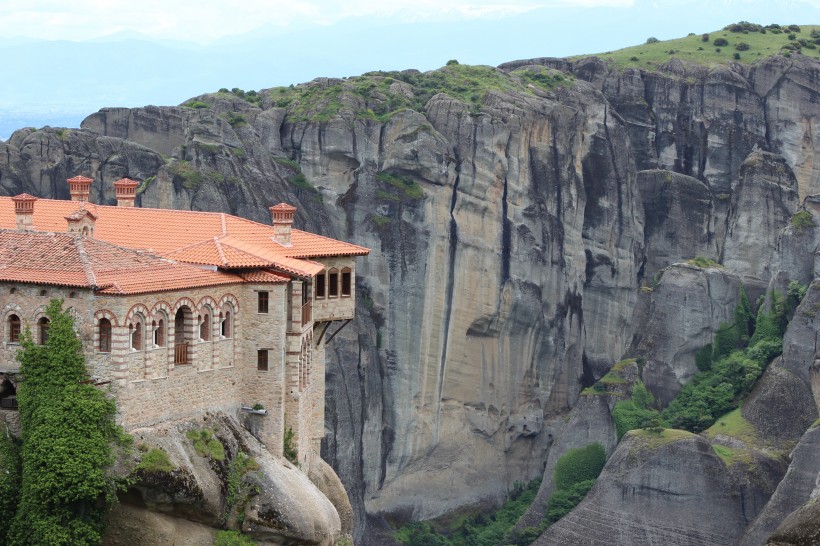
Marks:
<point>190,177</point>
<point>10,479</point>
<point>155,460</point>
<point>380,95</point>
<point>757,41</point>
<point>249,96</point>
<point>289,449</point>
<point>380,221</point>
<point>702,262</point>
<point>802,221</point>
<point>68,442</point>
<point>205,444</point>
<point>237,468</point>
<point>478,530</point>
<point>298,180</point>
<point>145,184</point>
<point>236,119</point>
<point>399,187</point>
<point>197,104</point>
<point>656,437</point>
<point>232,538</point>
<point>637,412</point>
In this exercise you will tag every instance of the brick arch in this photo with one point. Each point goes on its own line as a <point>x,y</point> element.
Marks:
<point>206,300</point>
<point>12,309</point>
<point>137,308</point>
<point>39,313</point>
<point>184,300</point>
<point>106,313</point>
<point>231,299</point>
<point>161,306</point>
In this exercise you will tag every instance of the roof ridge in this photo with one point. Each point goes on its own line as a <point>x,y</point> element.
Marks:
<point>218,246</point>
<point>85,261</point>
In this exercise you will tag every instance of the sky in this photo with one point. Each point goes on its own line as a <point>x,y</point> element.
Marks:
<point>203,21</point>
<point>65,59</point>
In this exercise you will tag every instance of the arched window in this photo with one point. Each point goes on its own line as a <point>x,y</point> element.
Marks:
<point>104,330</point>
<point>225,320</point>
<point>333,283</point>
<point>205,327</point>
<point>42,329</point>
<point>136,336</point>
<point>159,333</point>
<point>14,329</point>
<point>44,292</point>
<point>346,281</point>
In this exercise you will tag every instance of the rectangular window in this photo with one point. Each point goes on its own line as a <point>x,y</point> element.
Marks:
<point>333,285</point>
<point>262,360</point>
<point>320,285</point>
<point>346,283</point>
<point>262,302</point>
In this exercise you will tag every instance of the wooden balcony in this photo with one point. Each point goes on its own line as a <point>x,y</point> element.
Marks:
<point>182,353</point>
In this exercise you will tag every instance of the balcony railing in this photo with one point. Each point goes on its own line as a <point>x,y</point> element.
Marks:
<point>181,353</point>
<point>306,312</point>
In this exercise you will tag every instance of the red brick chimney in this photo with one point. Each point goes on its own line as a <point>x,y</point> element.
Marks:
<point>24,210</point>
<point>79,187</point>
<point>282,221</point>
<point>126,191</point>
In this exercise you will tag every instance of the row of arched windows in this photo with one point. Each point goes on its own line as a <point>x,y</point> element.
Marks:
<point>158,333</point>
<point>13,330</point>
<point>333,282</point>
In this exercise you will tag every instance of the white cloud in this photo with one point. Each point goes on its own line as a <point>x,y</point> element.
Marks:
<point>203,21</point>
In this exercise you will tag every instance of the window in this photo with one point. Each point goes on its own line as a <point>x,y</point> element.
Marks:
<point>159,333</point>
<point>205,328</point>
<point>104,329</point>
<point>226,324</point>
<point>262,302</point>
<point>136,336</point>
<point>44,292</point>
<point>346,281</point>
<point>72,294</point>
<point>262,360</point>
<point>320,285</point>
<point>42,328</point>
<point>333,284</point>
<point>14,329</point>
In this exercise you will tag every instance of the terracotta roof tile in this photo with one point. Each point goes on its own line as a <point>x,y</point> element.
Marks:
<point>264,276</point>
<point>70,260</point>
<point>197,237</point>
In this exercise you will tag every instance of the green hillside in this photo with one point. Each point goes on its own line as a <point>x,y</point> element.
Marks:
<point>744,42</point>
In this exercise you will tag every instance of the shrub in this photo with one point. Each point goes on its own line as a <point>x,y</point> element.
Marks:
<point>633,58</point>
<point>736,56</point>
<point>232,538</point>
<point>721,42</point>
<point>288,449</point>
<point>742,46</point>
<point>792,37</point>
<point>452,62</point>
<point>155,460</point>
<point>802,220</point>
<point>705,37</point>
<point>562,501</point>
<point>717,50</point>
<point>703,358</point>
<point>11,475</point>
<point>641,396</point>
<point>197,104</point>
<point>652,40</point>
<point>578,465</point>
<point>206,445</point>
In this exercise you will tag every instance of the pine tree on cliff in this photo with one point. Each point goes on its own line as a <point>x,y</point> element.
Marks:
<point>68,431</point>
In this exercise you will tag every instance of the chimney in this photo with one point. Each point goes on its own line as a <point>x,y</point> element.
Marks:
<point>78,187</point>
<point>126,191</point>
<point>82,221</point>
<point>282,220</point>
<point>24,210</point>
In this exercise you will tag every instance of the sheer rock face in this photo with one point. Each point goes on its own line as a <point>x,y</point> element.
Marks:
<point>664,490</point>
<point>687,307</point>
<point>506,278</point>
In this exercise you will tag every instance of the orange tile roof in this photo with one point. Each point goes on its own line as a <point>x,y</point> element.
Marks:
<point>210,238</point>
<point>264,276</point>
<point>64,259</point>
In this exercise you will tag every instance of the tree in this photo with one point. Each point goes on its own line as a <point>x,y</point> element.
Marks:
<point>68,432</point>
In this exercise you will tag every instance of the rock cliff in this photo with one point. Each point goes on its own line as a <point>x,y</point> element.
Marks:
<point>514,215</point>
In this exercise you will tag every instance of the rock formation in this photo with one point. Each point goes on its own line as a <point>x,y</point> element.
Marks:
<point>513,227</point>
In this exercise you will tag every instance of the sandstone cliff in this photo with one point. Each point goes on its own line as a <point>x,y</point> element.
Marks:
<point>514,213</point>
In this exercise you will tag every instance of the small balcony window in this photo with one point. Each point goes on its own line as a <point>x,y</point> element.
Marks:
<point>346,282</point>
<point>262,302</point>
<point>333,284</point>
<point>14,329</point>
<point>262,360</point>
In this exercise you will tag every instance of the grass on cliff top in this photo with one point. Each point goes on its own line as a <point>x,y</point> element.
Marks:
<point>656,438</point>
<point>380,95</point>
<point>693,49</point>
<point>733,424</point>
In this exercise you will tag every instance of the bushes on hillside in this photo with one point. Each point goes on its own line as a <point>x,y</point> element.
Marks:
<point>575,474</point>
<point>721,42</point>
